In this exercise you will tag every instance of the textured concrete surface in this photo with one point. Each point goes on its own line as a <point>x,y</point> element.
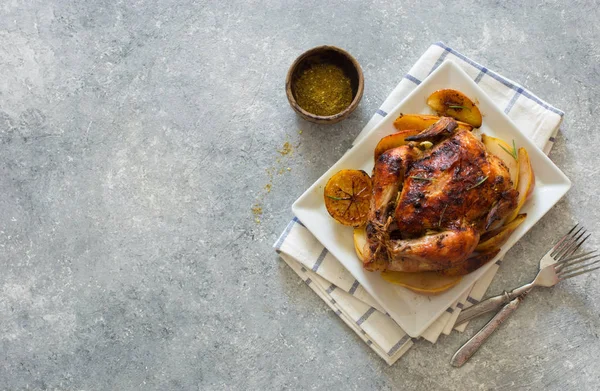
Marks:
<point>136,136</point>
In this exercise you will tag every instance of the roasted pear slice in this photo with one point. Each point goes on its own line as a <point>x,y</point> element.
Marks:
<point>506,153</point>
<point>455,104</point>
<point>394,140</point>
<point>421,122</point>
<point>526,182</point>
<point>495,238</point>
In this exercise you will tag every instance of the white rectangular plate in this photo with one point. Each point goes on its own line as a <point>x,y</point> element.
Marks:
<point>414,312</point>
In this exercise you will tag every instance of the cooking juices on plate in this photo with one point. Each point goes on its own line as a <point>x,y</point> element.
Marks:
<point>441,201</point>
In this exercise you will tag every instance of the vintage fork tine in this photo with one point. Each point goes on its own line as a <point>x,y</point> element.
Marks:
<point>566,240</point>
<point>580,232</point>
<point>566,272</point>
<point>562,240</point>
<point>575,247</point>
<point>569,275</point>
<point>575,259</point>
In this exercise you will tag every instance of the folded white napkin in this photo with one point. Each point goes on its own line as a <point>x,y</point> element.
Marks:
<point>335,285</point>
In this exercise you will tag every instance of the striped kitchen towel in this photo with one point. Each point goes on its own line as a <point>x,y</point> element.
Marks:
<point>335,285</point>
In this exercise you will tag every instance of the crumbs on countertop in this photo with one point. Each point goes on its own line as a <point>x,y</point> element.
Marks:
<point>257,211</point>
<point>287,149</point>
<point>279,167</point>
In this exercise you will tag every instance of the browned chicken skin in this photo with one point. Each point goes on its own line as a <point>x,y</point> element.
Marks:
<point>430,207</point>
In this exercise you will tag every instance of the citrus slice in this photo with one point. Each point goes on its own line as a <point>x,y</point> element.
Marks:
<point>426,283</point>
<point>348,197</point>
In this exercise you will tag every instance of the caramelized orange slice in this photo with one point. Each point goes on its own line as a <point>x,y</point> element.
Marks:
<point>348,197</point>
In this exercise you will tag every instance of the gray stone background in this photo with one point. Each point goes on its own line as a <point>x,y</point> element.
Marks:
<point>136,136</point>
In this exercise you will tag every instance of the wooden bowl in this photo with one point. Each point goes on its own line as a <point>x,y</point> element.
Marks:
<point>326,54</point>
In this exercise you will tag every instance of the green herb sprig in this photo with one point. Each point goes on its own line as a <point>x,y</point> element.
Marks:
<point>338,198</point>
<point>458,107</point>
<point>442,216</point>
<point>485,178</point>
<point>421,178</point>
<point>512,153</point>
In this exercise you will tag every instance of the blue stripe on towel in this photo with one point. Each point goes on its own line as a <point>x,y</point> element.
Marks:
<point>320,259</point>
<point>412,78</point>
<point>398,345</point>
<point>285,233</point>
<point>439,61</point>
<point>381,112</point>
<point>354,287</point>
<point>298,221</point>
<point>472,300</point>
<point>482,72</point>
<point>365,316</point>
<point>501,79</point>
<point>512,101</point>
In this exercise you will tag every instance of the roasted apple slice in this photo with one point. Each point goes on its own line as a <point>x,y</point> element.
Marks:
<point>494,239</point>
<point>394,140</point>
<point>506,153</point>
<point>455,104</point>
<point>421,122</point>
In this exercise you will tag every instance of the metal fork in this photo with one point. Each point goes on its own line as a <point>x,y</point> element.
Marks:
<point>557,265</point>
<point>560,263</point>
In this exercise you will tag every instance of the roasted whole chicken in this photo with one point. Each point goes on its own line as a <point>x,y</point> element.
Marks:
<point>430,206</point>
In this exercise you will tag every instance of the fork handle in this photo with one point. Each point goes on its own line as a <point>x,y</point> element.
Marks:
<point>463,354</point>
<point>491,304</point>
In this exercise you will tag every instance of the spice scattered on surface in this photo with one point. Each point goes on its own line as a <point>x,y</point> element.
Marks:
<point>279,167</point>
<point>287,149</point>
<point>300,131</point>
<point>257,210</point>
<point>323,89</point>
